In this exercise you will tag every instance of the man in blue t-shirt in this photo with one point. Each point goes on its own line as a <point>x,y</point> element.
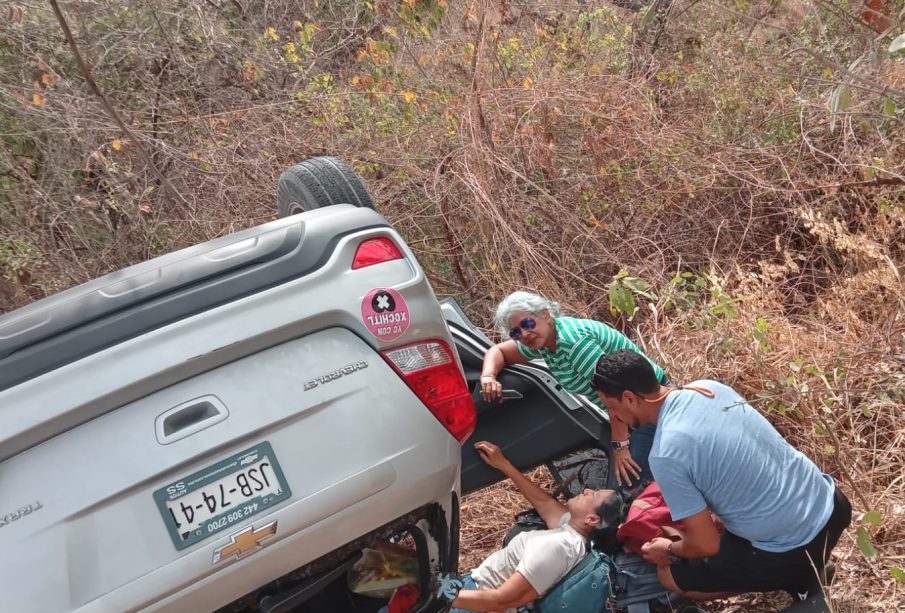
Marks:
<point>714,454</point>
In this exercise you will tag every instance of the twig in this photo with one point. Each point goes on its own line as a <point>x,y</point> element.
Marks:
<point>877,182</point>
<point>455,247</point>
<point>108,106</point>
<point>239,8</point>
<point>475,87</point>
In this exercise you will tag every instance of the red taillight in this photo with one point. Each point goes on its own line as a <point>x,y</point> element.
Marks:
<point>430,370</point>
<point>374,251</point>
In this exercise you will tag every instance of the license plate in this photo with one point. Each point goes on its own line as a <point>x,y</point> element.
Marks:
<point>222,495</point>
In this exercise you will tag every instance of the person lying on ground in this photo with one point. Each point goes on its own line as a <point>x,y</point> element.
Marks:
<point>713,452</point>
<point>533,562</point>
<point>571,348</point>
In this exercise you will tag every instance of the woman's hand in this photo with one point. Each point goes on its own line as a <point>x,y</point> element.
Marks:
<point>491,389</point>
<point>491,454</point>
<point>496,358</point>
<point>624,466</point>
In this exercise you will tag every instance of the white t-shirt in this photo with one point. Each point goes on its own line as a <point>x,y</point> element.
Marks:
<point>543,557</point>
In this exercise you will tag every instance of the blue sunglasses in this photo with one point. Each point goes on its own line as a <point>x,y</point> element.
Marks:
<point>526,324</point>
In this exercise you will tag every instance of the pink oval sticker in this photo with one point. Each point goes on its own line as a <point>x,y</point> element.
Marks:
<point>385,313</point>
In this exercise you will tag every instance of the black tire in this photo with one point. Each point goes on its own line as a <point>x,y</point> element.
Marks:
<point>319,182</point>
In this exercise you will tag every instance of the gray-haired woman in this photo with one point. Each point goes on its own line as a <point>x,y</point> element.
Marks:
<point>571,348</point>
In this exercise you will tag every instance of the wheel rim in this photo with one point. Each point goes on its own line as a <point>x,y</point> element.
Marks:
<point>295,208</point>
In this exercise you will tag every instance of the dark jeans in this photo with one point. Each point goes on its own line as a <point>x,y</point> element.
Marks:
<point>739,566</point>
<point>641,440</point>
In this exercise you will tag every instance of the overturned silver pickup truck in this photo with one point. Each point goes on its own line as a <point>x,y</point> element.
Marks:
<point>229,426</point>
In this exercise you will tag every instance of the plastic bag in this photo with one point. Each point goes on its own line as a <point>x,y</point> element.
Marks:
<point>382,569</point>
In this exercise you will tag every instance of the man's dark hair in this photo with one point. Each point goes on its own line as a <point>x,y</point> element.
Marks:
<point>611,513</point>
<point>624,370</point>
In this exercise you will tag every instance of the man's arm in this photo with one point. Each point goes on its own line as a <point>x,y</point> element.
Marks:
<point>687,503</point>
<point>515,592</point>
<point>550,509</point>
<point>702,539</point>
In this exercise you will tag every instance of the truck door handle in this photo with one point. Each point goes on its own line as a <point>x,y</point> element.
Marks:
<point>188,418</point>
<point>510,394</point>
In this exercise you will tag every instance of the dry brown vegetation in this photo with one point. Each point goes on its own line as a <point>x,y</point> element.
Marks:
<point>733,170</point>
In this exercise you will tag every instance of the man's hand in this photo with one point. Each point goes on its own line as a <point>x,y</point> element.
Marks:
<point>491,454</point>
<point>654,551</point>
<point>625,467</point>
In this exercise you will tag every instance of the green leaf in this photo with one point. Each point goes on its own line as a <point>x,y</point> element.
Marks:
<point>897,44</point>
<point>889,107</point>
<point>636,284</point>
<point>873,517</point>
<point>639,286</point>
<point>863,538</point>
<point>865,410</point>
<point>839,101</point>
<point>898,574</point>
<point>621,299</point>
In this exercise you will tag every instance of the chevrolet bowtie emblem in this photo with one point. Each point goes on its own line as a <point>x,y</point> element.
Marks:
<point>245,542</point>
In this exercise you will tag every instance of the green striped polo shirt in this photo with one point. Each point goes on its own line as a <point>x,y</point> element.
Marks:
<point>579,344</point>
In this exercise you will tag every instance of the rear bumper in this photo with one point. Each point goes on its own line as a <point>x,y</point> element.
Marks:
<point>434,530</point>
<point>328,543</point>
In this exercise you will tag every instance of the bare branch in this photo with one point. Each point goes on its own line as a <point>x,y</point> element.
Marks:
<point>108,106</point>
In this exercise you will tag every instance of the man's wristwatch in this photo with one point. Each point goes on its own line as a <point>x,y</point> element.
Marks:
<point>620,444</point>
<point>673,559</point>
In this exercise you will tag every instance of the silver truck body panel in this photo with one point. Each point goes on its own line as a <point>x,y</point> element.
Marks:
<point>83,438</point>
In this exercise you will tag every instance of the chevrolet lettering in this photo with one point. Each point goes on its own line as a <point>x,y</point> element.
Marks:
<point>336,374</point>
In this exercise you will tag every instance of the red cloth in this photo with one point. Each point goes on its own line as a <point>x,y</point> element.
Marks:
<point>404,598</point>
<point>646,519</point>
